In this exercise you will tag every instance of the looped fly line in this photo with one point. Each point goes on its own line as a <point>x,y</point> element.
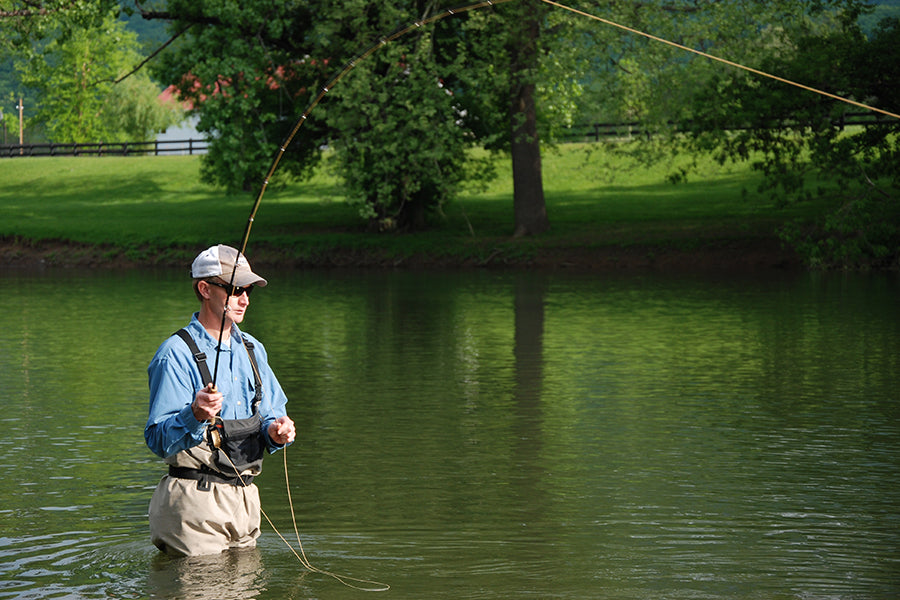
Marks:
<point>352,582</point>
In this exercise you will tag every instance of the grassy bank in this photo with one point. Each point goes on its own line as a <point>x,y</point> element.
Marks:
<point>603,212</point>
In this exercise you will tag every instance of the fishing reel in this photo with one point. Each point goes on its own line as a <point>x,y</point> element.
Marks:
<point>214,432</point>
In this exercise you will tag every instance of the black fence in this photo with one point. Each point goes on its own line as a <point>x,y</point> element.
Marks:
<point>579,133</point>
<point>595,132</point>
<point>155,148</point>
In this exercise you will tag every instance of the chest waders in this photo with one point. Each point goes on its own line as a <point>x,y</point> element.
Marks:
<point>236,445</point>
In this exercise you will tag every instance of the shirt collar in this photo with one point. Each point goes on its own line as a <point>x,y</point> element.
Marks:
<point>205,340</point>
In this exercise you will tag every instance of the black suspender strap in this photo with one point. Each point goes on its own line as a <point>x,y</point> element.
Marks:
<point>199,357</point>
<point>257,379</point>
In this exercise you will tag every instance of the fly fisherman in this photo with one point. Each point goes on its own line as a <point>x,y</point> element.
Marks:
<point>213,436</point>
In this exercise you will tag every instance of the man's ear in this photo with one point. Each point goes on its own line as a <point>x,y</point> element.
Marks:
<point>203,288</point>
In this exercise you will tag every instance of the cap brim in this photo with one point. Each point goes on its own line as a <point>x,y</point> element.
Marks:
<point>245,278</point>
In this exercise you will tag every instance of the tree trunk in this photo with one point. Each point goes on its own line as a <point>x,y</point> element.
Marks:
<point>528,189</point>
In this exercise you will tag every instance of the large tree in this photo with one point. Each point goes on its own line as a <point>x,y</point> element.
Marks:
<point>504,51</point>
<point>522,45</point>
<point>395,121</point>
<point>533,67</point>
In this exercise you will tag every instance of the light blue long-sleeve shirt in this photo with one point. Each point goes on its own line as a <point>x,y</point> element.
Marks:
<point>175,380</point>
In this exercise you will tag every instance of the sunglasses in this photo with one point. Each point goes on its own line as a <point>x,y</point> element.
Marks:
<point>231,289</point>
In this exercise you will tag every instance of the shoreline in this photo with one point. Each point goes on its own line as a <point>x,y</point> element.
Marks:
<point>725,255</point>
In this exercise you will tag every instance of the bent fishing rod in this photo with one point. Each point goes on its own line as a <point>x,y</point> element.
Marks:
<point>437,17</point>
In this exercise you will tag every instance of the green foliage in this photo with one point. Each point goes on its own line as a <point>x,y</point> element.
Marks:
<point>398,146</point>
<point>133,112</point>
<point>880,10</point>
<point>399,131</point>
<point>796,139</point>
<point>251,70</point>
<point>638,79</point>
<point>37,20</point>
<point>247,71</point>
<point>72,78</point>
<point>486,40</point>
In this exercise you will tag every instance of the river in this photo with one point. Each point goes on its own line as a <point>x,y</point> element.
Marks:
<point>478,434</point>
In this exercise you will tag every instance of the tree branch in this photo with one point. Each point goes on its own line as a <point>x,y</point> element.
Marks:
<point>153,54</point>
<point>150,15</point>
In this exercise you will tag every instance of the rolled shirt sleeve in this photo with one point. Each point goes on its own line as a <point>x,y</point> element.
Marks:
<point>171,424</point>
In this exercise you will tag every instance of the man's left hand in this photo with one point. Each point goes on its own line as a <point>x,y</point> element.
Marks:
<point>282,431</point>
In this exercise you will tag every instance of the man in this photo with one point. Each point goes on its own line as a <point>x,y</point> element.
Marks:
<point>213,434</point>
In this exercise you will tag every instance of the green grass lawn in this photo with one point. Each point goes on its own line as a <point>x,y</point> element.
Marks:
<point>148,205</point>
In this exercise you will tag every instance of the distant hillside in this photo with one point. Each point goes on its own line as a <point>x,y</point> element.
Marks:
<point>883,9</point>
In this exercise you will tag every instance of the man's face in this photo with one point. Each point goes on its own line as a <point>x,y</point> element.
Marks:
<point>237,302</point>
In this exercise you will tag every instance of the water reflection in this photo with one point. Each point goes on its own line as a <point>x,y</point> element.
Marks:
<point>479,435</point>
<point>232,574</point>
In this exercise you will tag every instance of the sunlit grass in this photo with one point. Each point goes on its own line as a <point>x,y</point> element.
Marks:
<point>593,198</point>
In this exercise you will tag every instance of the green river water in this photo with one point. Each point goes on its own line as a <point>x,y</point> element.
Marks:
<point>477,435</point>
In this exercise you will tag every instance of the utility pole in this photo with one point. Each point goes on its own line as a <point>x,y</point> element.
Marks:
<point>21,108</point>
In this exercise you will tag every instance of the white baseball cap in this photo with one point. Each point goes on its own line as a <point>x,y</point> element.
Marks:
<point>218,261</point>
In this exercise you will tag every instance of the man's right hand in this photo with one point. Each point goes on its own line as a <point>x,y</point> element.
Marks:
<point>207,403</point>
